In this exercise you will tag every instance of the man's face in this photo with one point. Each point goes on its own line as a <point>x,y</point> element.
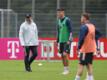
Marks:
<point>28,19</point>
<point>83,19</point>
<point>60,14</point>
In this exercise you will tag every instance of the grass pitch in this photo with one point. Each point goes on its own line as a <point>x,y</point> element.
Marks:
<point>14,70</point>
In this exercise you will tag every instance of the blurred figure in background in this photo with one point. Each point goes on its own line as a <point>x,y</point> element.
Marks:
<point>64,38</point>
<point>28,36</point>
<point>87,46</point>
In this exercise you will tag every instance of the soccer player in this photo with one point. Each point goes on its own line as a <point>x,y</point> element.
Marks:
<point>28,36</point>
<point>64,37</point>
<point>88,37</point>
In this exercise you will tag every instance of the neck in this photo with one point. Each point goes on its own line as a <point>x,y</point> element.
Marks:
<point>62,17</point>
<point>87,21</point>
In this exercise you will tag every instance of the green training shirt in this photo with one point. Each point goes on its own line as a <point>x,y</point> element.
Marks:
<point>63,31</point>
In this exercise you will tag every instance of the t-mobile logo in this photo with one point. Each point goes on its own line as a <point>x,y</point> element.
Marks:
<point>13,48</point>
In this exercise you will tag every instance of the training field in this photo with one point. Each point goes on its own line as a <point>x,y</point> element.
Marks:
<point>14,70</point>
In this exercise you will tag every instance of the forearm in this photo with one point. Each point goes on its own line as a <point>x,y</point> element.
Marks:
<point>70,37</point>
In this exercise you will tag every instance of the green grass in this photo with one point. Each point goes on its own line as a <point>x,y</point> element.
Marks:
<point>14,70</point>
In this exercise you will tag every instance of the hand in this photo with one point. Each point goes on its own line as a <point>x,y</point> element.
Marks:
<point>98,51</point>
<point>78,52</point>
<point>56,43</point>
<point>68,42</point>
<point>64,53</point>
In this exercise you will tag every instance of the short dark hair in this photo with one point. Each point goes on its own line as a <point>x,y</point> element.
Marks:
<point>60,9</point>
<point>28,15</point>
<point>86,15</point>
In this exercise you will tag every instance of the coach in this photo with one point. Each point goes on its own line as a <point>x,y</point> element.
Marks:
<point>28,36</point>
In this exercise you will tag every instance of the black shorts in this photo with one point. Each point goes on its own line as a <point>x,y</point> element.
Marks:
<point>64,47</point>
<point>86,59</point>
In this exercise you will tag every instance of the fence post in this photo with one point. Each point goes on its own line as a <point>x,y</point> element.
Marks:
<point>2,23</point>
<point>16,24</point>
<point>58,4</point>
<point>106,23</point>
<point>83,5</point>
<point>33,9</point>
<point>8,18</point>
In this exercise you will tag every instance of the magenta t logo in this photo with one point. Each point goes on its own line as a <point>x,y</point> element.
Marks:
<point>13,48</point>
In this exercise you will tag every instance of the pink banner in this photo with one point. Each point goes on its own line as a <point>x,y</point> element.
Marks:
<point>10,49</point>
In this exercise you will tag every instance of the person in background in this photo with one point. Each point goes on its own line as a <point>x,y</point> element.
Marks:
<point>87,46</point>
<point>28,36</point>
<point>64,38</point>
